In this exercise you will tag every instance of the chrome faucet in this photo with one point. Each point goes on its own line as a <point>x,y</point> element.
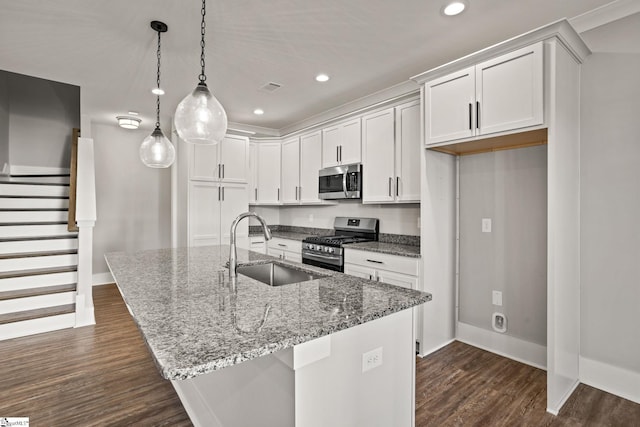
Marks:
<point>233,253</point>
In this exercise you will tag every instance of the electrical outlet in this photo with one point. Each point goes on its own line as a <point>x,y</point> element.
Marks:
<point>310,217</point>
<point>371,359</point>
<point>496,298</point>
<point>486,225</point>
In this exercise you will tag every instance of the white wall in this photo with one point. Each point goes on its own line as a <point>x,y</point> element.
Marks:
<point>43,114</point>
<point>510,188</point>
<point>394,219</point>
<point>133,201</point>
<point>610,198</point>
<point>4,120</point>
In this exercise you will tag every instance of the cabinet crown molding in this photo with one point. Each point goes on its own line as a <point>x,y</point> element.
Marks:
<point>561,30</point>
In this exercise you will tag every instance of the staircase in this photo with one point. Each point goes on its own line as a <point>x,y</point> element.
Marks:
<point>38,256</point>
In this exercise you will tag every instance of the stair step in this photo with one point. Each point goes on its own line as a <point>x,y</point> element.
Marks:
<point>38,325</point>
<point>36,302</point>
<point>33,203</point>
<point>32,292</point>
<point>37,314</point>
<point>36,272</point>
<point>38,253</point>
<point>47,179</point>
<point>38,262</point>
<point>31,190</point>
<point>25,231</point>
<point>22,216</point>
<point>42,279</point>
<point>37,244</point>
<point>19,170</point>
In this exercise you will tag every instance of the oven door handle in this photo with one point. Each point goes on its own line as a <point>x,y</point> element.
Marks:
<point>313,255</point>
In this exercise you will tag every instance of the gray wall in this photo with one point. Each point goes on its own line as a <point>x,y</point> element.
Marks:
<point>42,115</point>
<point>4,120</point>
<point>133,201</point>
<point>510,187</point>
<point>610,196</point>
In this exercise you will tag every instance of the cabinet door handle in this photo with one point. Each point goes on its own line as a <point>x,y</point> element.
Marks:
<point>374,261</point>
<point>477,114</point>
<point>299,193</point>
<point>218,193</point>
<point>370,277</point>
<point>470,116</point>
<point>337,153</point>
<point>397,186</point>
<point>223,194</point>
<point>278,193</point>
<point>341,154</point>
<point>282,245</point>
<point>256,190</point>
<point>390,185</point>
<point>223,170</point>
<point>219,173</point>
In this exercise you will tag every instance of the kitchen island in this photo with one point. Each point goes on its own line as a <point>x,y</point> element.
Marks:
<point>336,350</point>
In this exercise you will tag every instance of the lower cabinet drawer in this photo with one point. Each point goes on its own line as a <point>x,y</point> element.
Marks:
<point>378,261</point>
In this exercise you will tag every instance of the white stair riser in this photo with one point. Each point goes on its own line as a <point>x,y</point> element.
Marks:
<point>38,170</point>
<point>18,203</point>
<point>40,301</point>
<point>37,326</point>
<point>30,263</point>
<point>38,179</point>
<point>33,216</point>
<point>25,246</point>
<point>34,190</point>
<point>14,231</point>
<point>39,281</point>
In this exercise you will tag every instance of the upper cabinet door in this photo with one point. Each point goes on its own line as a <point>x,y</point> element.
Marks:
<point>378,181</point>
<point>310,164</point>
<point>351,142</point>
<point>509,91</point>
<point>331,146</point>
<point>449,106</point>
<point>290,170</point>
<point>234,159</point>
<point>205,163</point>
<point>269,172</point>
<point>253,172</point>
<point>408,152</point>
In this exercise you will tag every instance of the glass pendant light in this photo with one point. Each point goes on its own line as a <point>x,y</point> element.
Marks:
<point>200,118</point>
<point>156,151</point>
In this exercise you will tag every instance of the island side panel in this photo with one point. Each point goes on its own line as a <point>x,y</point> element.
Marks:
<point>334,390</point>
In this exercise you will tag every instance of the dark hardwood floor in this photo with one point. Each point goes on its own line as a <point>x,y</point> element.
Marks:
<point>103,375</point>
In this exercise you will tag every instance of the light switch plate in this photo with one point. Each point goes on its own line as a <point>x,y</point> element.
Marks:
<point>486,225</point>
<point>496,298</point>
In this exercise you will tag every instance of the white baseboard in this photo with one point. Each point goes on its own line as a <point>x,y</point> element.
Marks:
<point>556,410</point>
<point>425,352</point>
<point>5,170</point>
<point>102,279</point>
<point>609,378</point>
<point>38,170</point>
<point>514,348</point>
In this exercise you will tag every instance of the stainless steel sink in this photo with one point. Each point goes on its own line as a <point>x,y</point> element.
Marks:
<point>277,274</point>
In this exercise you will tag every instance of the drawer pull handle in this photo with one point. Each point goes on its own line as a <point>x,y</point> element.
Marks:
<point>374,261</point>
<point>283,245</point>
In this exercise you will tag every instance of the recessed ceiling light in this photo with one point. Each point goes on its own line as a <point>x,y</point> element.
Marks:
<point>258,111</point>
<point>133,113</point>
<point>322,78</point>
<point>128,122</point>
<point>454,8</point>
<point>157,91</point>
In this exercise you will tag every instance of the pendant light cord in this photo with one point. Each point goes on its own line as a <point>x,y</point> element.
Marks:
<point>158,86</point>
<point>203,26</point>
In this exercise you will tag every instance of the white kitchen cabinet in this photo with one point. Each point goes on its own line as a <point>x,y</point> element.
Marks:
<point>310,164</point>
<point>341,144</point>
<point>285,249</point>
<point>212,208</point>
<point>227,161</point>
<point>290,175</point>
<point>268,177</point>
<point>253,172</point>
<point>392,269</point>
<point>499,95</point>
<point>391,151</point>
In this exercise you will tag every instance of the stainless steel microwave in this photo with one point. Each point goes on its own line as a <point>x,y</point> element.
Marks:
<point>340,182</point>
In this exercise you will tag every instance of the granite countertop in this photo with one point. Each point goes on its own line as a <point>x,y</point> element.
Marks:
<point>196,320</point>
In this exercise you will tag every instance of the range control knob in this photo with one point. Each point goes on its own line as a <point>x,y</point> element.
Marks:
<point>310,246</point>
<point>331,250</point>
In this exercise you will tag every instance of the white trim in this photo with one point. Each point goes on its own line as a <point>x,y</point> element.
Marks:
<point>36,326</point>
<point>505,345</point>
<point>102,279</point>
<point>6,170</point>
<point>556,411</point>
<point>434,349</point>
<point>612,379</point>
<point>36,302</point>
<point>38,170</point>
<point>605,14</point>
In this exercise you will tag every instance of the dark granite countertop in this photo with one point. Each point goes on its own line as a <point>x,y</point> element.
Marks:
<point>196,320</point>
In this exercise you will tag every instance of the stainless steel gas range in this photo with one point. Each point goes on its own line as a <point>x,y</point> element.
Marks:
<point>328,251</point>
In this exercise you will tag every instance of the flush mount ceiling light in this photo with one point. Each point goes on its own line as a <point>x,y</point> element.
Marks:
<point>322,78</point>
<point>156,151</point>
<point>128,122</point>
<point>157,91</point>
<point>200,118</point>
<point>454,7</point>
<point>258,111</point>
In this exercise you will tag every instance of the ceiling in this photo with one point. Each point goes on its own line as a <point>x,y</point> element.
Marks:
<point>109,50</point>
